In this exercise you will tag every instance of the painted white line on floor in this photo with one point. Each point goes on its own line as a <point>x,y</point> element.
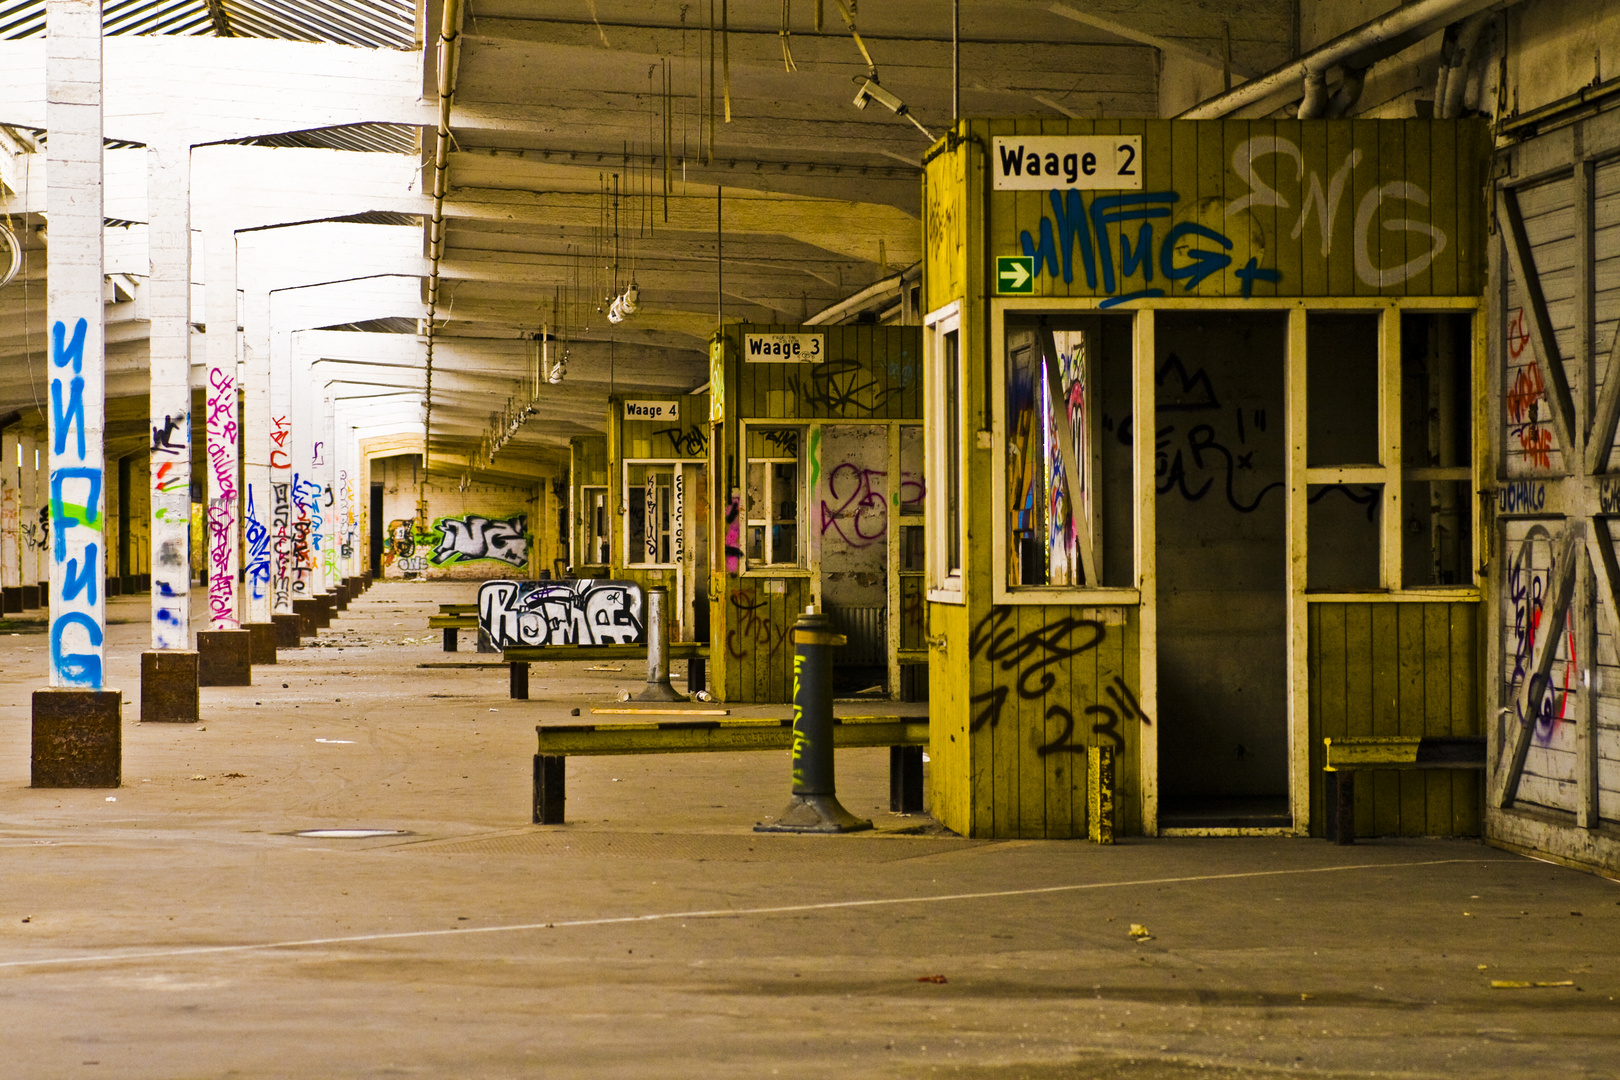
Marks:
<point>718,913</point>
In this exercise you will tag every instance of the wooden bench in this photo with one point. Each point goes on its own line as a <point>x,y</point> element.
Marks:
<point>521,657</point>
<point>451,618</point>
<point>905,736</point>
<point>1348,754</point>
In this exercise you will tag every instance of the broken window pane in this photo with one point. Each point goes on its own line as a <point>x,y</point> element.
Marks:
<point>1341,530</point>
<point>1341,389</point>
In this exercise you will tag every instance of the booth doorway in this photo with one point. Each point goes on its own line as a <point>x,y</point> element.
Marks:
<point>1221,554</point>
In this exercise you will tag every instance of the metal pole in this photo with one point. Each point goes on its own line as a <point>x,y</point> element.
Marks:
<point>658,687</point>
<point>814,805</point>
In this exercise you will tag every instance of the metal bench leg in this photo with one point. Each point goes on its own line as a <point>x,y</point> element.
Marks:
<point>549,788</point>
<point>519,681</point>
<point>906,779</point>
<point>449,639</point>
<point>1342,799</point>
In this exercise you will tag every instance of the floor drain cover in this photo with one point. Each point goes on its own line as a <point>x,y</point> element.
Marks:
<point>350,834</point>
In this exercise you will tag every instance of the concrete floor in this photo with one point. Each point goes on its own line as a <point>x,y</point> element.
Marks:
<point>181,931</point>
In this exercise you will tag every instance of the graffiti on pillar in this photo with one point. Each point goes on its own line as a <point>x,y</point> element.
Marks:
<point>77,521</point>
<point>279,431</point>
<point>10,535</point>
<point>400,542</point>
<point>258,551</point>
<point>473,537</point>
<point>170,437</point>
<point>585,611</point>
<point>221,524</point>
<point>305,521</point>
<point>282,541</point>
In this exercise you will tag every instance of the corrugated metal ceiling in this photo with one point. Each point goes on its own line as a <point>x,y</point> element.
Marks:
<point>374,24</point>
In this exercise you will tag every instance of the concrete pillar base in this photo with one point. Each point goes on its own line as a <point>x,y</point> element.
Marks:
<point>323,611</point>
<point>11,599</point>
<point>224,658</point>
<point>78,738</point>
<point>115,586</point>
<point>262,649</point>
<point>340,597</point>
<point>30,597</point>
<point>308,610</point>
<point>169,687</point>
<point>287,627</point>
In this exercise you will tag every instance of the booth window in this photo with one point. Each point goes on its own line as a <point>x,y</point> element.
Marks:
<point>1068,467</point>
<point>593,532</point>
<point>773,492</point>
<point>652,516</point>
<point>1436,451</point>
<point>944,449</point>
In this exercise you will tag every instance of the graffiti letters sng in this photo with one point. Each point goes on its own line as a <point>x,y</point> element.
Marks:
<point>1197,237</point>
<point>574,612</point>
<point>76,519</point>
<point>472,537</point>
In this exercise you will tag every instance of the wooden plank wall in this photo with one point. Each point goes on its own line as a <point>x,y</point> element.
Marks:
<point>871,373</point>
<point>1194,161</point>
<point>1397,669</point>
<point>1047,682</point>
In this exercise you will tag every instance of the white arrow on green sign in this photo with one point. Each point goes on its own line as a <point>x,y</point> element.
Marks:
<point>1015,273</point>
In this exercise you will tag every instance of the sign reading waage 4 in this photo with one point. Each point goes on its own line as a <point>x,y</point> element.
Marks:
<point>784,348</point>
<point>652,410</point>
<point>1043,162</point>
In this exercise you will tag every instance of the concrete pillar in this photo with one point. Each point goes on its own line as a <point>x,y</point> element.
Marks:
<point>76,723</point>
<point>283,528</point>
<point>169,670</point>
<point>11,540</point>
<point>219,652</point>
<point>33,525</point>
<point>258,513</point>
<point>331,508</point>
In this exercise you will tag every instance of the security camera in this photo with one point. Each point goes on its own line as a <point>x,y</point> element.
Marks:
<point>871,91</point>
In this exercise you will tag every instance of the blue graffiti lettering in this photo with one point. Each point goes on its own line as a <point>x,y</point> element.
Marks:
<point>68,352</point>
<point>62,420</point>
<point>1523,497</point>
<point>76,669</point>
<point>258,543</point>
<point>66,515</point>
<point>1182,255</point>
<point>76,580</point>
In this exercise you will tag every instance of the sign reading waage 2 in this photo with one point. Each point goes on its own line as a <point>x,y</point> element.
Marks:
<point>1044,162</point>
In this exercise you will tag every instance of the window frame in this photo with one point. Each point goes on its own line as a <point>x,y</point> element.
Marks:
<point>1091,595</point>
<point>674,464</point>
<point>584,536</point>
<point>745,567</point>
<point>944,583</point>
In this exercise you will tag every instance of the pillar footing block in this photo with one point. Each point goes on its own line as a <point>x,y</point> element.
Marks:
<point>30,597</point>
<point>169,687</point>
<point>815,814</point>
<point>340,597</point>
<point>78,738</point>
<point>309,610</point>
<point>263,642</point>
<point>224,658</point>
<point>11,599</point>
<point>323,611</point>
<point>287,626</point>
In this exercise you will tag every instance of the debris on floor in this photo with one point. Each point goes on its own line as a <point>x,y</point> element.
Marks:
<point>1515,984</point>
<point>932,978</point>
<point>1140,932</point>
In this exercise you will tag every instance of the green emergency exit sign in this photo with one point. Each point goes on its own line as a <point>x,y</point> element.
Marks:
<point>1015,274</point>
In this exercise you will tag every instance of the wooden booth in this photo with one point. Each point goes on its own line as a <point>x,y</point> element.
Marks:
<point>816,456</point>
<point>656,495</point>
<point>591,509</point>
<point>1289,550</point>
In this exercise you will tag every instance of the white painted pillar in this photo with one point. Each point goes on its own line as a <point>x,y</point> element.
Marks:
<point>221,521</point>
<point>77,341</point>
<point>351,512</point>
<point>11,540</point>
<point>258,505</point>
<point>286,580</point>
<point>33,570</point>
<point>331,506</point>
<point>168,194</point>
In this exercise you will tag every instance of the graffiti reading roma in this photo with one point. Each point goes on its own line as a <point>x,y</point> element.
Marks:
<point>582,611</point>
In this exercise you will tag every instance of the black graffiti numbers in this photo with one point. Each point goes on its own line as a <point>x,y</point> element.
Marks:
<point>1033,655</point>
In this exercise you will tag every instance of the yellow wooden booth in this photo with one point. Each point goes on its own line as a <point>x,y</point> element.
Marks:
<point>816,460</point>
<point>1290,551</point>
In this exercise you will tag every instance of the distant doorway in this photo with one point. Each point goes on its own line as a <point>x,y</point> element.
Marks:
<point>1221,546</point>
<point>374,531</point>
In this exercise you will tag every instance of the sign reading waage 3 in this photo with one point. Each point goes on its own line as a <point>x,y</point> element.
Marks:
<point>784,348</point>
<point>1044,162</point>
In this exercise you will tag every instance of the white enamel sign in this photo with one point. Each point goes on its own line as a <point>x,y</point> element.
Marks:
<point>1043,162</point>
<point>784,348</point>
<point>652,410</point>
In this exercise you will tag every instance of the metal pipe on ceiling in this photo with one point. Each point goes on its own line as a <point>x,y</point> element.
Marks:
<point>1357,48</point>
